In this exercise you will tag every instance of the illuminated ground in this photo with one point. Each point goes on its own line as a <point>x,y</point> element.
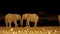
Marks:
<point>30,30</point>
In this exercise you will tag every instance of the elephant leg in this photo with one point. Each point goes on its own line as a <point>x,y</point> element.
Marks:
<point>27,24</point>
<point>35,24</point>
<point>6,24</point>
<point>15,22</point>
<point>10,24</point>
<point>21,23</point>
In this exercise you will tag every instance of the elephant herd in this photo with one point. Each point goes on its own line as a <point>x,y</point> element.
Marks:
<point>9,18</point>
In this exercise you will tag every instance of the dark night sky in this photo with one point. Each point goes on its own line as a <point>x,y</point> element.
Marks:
<point>29,6</point>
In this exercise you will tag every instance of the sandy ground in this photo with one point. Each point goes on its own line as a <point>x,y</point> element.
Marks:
<point>32,29</point>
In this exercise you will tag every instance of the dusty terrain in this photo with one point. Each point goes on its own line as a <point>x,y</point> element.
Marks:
<point>30,30</point>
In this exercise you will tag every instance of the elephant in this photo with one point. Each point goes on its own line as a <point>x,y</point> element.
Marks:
<point>30,18</point>
<point>9,18</point>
